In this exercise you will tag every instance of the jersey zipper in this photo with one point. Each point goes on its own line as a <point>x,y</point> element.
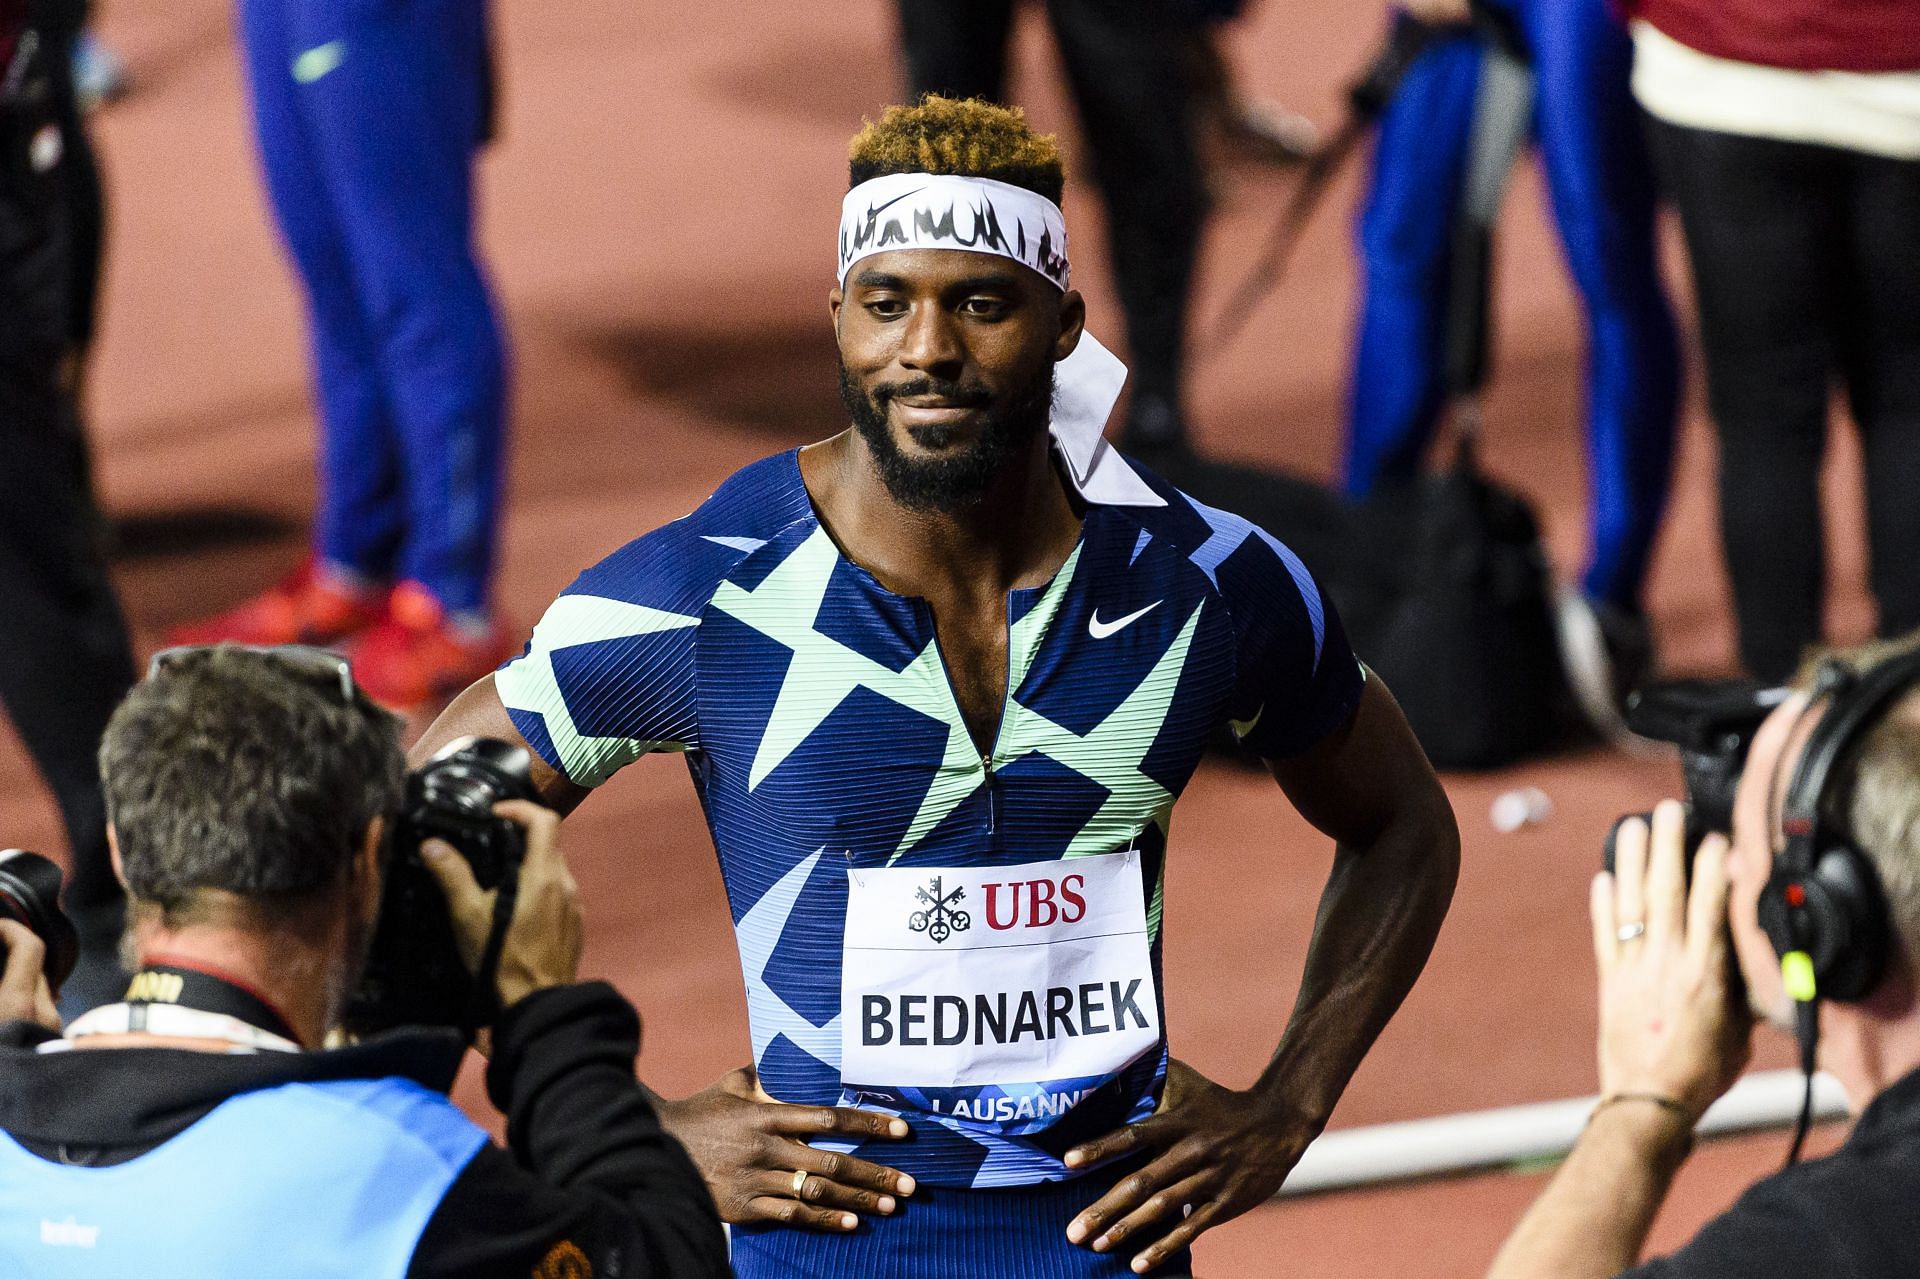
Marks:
<point>1006,704</point>
<point>993,794</point>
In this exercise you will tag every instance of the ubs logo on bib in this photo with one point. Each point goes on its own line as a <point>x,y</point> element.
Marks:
<point>942,917</point>
<point>1036,903</point>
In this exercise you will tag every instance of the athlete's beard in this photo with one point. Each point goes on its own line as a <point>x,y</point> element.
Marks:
<point>954,482</point>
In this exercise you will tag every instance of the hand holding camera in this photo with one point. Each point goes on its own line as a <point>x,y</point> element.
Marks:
<point>544,936</point>
<point>478,909</point>
<point>1670,1027</point>
<point>37,940</point>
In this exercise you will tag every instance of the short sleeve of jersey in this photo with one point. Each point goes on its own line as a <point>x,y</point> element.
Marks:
<point>609,674</point>
<point>1295,678</point>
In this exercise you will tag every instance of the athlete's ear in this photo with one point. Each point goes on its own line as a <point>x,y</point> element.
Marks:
<point>835,298</point>
<point>1073,322</point>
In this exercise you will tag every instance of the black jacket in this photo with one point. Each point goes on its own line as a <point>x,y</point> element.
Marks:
<point>587,1165</point>
<point>1850,1215</point>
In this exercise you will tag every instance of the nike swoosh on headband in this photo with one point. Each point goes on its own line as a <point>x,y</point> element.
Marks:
<point>1100,630</point>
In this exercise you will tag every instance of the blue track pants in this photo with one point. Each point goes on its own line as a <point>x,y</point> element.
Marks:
<point>1601,185</point>
<point>369,113</point>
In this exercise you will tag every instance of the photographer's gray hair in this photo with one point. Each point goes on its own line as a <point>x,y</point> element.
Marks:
<point>246,772</point>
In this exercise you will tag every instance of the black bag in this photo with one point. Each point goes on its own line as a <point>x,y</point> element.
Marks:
<point>1451,602</point>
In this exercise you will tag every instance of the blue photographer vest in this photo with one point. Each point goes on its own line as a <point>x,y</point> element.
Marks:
<point>332,1180</point>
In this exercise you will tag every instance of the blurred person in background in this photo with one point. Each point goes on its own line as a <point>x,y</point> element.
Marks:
<point>198,1128</point>
<point>86,211</point>
<point>1129,66</point>
<point>65,659</point>
<point>1788,135</point>
<point>369,117</point>
<point>1600,184</point>
<point>1243,127</point>
<point>1676,1029</point>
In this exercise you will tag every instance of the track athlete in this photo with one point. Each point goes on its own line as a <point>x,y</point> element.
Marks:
<point>939,680</point>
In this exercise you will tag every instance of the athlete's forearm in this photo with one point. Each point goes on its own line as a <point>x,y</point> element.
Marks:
<point>1379,914</point>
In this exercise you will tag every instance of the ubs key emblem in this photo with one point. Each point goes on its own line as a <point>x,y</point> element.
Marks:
<point>941,919</point>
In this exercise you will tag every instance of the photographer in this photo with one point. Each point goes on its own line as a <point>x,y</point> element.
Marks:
<point>1817,892</point>
<point>197,1127</point>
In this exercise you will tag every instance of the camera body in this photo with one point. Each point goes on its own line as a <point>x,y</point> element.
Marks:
<point>414,974</point>
<point>30,894</point>
<point>451,798</point>
<point>1713,722</point>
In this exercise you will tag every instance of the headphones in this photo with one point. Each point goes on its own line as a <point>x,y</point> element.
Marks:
<point>1823,908</point>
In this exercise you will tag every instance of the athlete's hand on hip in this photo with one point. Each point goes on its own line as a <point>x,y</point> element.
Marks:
<point>752,1151</point>
<point>1217,1153</point>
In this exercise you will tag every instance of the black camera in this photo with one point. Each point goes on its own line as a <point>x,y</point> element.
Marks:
<point>415,975</point>
<point>1713,722</point>
<point>30,894</point>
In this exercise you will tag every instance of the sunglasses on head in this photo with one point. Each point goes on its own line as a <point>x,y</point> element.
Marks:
<point>321,661</point>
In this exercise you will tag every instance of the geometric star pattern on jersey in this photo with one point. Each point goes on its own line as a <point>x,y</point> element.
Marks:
<point>747,544</point>
<point>786,604</point>
<point>1228,533</point>
<point>823,671</point>
<point>951,785</point>
<point>769,1015</point>
<point>784,607</point>
<point>530,684</point>
<point>1110,754</point>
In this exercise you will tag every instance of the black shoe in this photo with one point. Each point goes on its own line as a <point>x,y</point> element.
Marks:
<point>1607,653</point>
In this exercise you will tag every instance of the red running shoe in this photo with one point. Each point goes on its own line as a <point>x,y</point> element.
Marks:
<point>416,654</point>
<point>306,607</point>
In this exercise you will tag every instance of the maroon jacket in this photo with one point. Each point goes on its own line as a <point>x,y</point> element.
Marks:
<point>1802,35</point>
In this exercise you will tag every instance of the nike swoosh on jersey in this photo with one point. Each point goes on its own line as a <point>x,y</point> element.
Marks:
<point>1100,630</point>
<point>319,60</point>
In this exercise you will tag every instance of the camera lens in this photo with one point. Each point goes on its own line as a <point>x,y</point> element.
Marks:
<point>30,894</point>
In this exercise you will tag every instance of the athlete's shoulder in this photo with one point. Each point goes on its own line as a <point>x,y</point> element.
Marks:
<point>609,674</point>
<point>677,567</point>
<point>1296,679</point>
<point>1235,555</point>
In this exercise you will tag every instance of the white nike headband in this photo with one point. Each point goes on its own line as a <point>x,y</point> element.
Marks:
<point>943,211</point>
<point>979,215</point>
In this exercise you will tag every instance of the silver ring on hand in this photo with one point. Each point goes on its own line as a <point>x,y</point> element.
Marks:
<point>1628,932</point>
<point>800,1182</point>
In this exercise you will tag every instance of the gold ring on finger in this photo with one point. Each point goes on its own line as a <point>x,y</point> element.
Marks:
<point>799,1181</point>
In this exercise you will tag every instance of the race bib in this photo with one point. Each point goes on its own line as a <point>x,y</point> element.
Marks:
<point>998,996</point>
